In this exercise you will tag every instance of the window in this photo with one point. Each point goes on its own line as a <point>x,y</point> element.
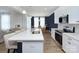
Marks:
<point>29,22</point>
<point>42,22</point>
<point>36,21</point>
<point>5,22</point>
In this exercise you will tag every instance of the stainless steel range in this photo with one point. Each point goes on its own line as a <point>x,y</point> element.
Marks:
<point>58,34</point>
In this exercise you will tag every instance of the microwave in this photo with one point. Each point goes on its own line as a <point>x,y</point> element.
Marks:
<point>64,19</point>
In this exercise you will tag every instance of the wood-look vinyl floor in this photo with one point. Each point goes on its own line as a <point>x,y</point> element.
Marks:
<point>50,45</point>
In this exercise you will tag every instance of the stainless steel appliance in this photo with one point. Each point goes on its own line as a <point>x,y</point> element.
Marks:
<point>58,37</point>
<point>64,19</point>
<point>58,34</point>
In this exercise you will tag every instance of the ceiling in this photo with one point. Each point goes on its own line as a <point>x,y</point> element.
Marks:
<point>39,10</point>
<point>7,9</point>
<point>30,10</point>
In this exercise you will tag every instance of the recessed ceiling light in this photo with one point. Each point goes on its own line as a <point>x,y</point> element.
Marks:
<point>24,12</point>
<point>45,9</point>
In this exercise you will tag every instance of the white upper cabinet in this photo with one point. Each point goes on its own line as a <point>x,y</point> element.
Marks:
<point>72,11</point>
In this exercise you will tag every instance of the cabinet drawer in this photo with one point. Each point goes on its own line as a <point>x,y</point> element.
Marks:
<point>75,42</point>
<point>32,47</point>
<point>70,44</point>
<point>65,40</point>
<point>66,48</point>
<point>67,44</point>
<point>69,47</point>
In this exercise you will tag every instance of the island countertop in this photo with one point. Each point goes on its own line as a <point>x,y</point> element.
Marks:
<point>27,35</point>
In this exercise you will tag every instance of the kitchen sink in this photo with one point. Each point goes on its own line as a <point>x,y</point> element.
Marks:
<point>36,31</point>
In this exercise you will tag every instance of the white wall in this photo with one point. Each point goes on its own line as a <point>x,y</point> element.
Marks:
<point>18,19</point>
<point>28,22</point>
<point>24,21</point>
<point>73,13</point>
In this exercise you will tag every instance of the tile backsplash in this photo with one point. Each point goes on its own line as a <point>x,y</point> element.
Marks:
<point>61,26</point>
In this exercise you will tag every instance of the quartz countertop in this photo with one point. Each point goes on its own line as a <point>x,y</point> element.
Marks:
<point>27,36</point>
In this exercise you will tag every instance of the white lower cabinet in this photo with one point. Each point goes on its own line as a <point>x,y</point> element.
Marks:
<point>70,45</point>
<point>32,47</point>
<point>53,32</point>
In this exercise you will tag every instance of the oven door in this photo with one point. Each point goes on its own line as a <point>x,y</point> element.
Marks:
<point>58,37</point>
